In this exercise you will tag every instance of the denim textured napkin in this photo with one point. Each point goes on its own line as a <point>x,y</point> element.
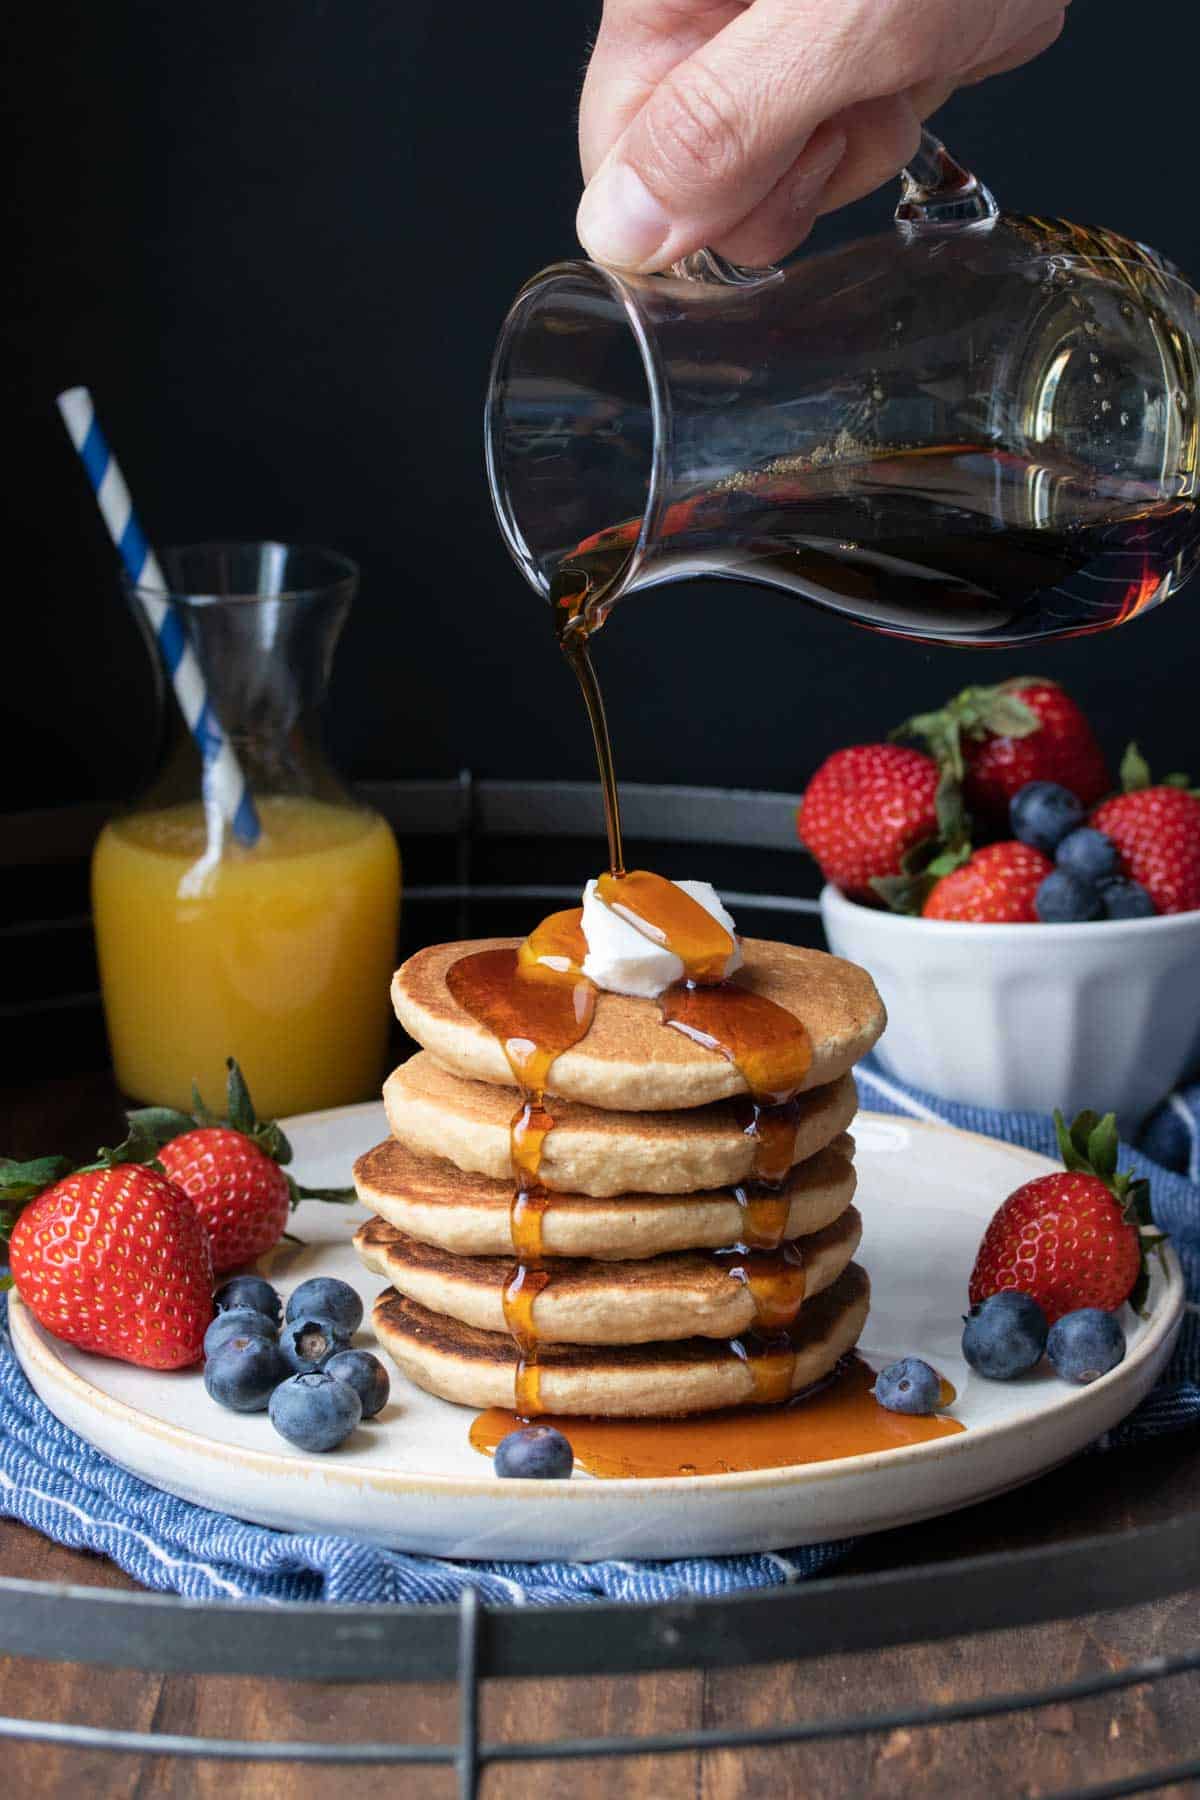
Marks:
<point>52,1480</point>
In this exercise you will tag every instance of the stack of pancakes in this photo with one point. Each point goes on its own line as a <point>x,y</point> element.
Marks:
<point>645,1167</point>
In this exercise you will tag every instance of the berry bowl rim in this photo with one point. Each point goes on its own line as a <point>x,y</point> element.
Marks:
<point>833,900</point>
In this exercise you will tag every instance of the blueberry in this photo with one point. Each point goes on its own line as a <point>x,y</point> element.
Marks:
<point>1063,899</point>
<point>1124,899</point>
<point>1086,1344</point>
<point>325,1298</point>
<point>251,1291</point>
<point>366,1375</point>
<point>535,1453</point>
<point>1004,1335</point>
<point>1088,854</point>
<point>309,1340</point>
<point>909,1386</point>
<point>314,1411</point>
<point>241,1322</point>
<point>1042,813</point>
<point>243,1372</point>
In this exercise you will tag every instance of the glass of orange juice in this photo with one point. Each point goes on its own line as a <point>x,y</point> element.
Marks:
<point>277,952</point>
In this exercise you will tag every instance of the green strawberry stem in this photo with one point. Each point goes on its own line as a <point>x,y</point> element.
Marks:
<point>162,1123</point>
<point>1089,1147</point>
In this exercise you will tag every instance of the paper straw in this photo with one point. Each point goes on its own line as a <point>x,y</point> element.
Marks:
<point>224,783</point>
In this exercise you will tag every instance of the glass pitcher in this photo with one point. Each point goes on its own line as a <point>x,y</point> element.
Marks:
<point>975,428</point>
<point>280,951</point>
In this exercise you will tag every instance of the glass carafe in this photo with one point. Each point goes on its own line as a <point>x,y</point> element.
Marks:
<point>975,427</point>
<point>278,952</point>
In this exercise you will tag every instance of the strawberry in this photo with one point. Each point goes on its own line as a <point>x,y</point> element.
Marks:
<point>868,814</point>
<point>113,1258</point>
<point>995,739</point>
<point>231,1170</point>
<point>1157,832</point>
<point>1073,1239</point>
<point>996,886</point>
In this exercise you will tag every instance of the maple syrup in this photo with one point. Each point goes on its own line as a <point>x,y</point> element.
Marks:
<point>537,1002</point>
<point>776,1282</point>
<point>952,542</point>
<point>838,1418</point>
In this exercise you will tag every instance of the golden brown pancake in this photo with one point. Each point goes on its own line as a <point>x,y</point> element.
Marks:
<point>659,1380</point>
<point>431,1199</point>
<point>592,1150</point>
<point>683,1294</point>
<point>629,1061</point>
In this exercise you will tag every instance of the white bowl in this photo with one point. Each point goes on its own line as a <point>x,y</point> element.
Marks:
<point>1030,1017</point>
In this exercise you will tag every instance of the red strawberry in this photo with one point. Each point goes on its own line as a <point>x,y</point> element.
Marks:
<point>995,739</point>
<point>995,887</point>
<point>1075,1239</point>
<point>242,1196</point>
<point>865,810</point>
<point>1157,831</point>
<point>230,1169</point>
<point>112,1258</point>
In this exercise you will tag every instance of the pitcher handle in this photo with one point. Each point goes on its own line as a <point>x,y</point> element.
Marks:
<point>935,192</point>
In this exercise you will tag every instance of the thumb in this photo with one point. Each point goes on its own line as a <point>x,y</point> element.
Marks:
<point>713,138</point>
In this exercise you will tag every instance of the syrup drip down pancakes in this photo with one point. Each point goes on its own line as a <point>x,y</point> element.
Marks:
<point>599,1204</point>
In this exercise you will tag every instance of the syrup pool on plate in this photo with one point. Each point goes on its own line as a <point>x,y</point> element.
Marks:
<point>839,1418</point>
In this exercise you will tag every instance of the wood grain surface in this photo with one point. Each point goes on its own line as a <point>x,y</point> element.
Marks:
<point>1054,1750</point>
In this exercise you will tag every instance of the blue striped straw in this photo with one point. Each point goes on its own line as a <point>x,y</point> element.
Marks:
<point>224,784</point>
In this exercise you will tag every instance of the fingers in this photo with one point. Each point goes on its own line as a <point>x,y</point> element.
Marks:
<point>881,136</point>
<point>786,215</point>
<point>713,150</point>
<point>716,134</point>
<point>1022,52</point>
<point>639,42</point>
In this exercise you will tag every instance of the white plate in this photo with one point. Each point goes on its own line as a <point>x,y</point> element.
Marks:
<point>411,1479</point>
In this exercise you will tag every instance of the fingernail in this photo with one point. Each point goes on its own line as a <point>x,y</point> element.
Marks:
<point>619,222</point>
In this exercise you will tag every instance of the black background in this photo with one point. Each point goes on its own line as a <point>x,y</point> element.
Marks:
<point>276,238</point>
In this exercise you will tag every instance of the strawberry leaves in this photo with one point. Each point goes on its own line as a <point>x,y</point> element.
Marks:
<point>1135,775</point>
<point>923,866</point>
<point>976,712</point>
<point>1089,1146</point>
<point>163,1124</point>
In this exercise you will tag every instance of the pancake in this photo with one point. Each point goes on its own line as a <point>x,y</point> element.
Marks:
<point>683,1294</point>
<point>591,1150</point>
<point>431,1199</point>
<point>629,1061</point>
<point>659,1380</point>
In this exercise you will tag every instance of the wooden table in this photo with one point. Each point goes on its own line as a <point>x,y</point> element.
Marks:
<point>1058,1748</point>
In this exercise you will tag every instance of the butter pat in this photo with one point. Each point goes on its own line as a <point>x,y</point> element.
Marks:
<point>621,959</point>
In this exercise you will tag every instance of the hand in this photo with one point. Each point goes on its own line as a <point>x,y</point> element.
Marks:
<point>737,124</point>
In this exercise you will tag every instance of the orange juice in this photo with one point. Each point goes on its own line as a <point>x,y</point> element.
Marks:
<point>279,955</point>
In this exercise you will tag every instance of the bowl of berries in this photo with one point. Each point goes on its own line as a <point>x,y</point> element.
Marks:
<point>1033,927</point>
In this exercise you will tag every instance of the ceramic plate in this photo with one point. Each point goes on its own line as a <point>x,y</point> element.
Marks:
<point>411,1479</point>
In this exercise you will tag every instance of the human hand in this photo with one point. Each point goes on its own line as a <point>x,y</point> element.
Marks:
<point>736,123</point>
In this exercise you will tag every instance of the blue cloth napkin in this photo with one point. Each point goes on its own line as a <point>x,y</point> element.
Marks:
<point>52,1480</point>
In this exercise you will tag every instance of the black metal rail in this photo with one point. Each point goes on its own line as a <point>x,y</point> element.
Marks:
<point>470,1757</point>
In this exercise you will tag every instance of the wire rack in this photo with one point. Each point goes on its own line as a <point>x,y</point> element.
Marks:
<point>471,1642</point>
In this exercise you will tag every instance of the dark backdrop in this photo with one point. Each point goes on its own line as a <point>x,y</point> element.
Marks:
<point>276,238</point>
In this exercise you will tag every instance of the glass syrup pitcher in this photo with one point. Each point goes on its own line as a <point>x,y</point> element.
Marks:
<point>976,428</point>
